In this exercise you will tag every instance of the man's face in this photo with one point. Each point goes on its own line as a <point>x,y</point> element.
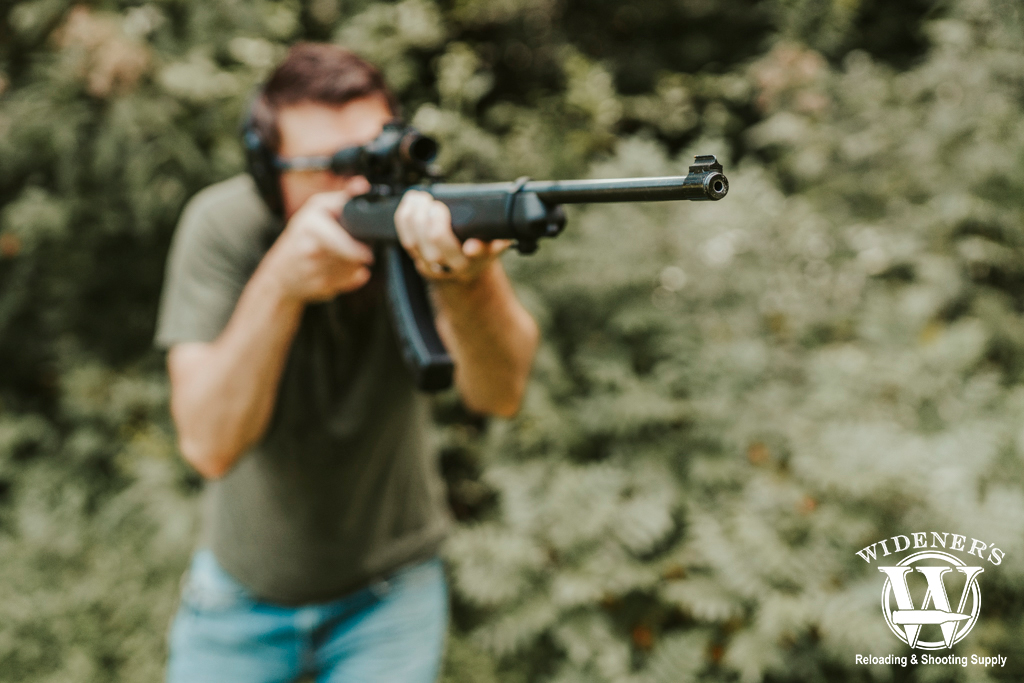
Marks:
<point>313,129</point>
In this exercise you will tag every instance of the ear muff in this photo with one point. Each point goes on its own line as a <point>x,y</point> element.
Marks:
<point>259,161</point>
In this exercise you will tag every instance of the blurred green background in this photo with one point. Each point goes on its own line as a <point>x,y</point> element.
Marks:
<point>732,398</point>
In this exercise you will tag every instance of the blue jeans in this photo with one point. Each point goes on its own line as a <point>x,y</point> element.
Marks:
<point>391,631</point>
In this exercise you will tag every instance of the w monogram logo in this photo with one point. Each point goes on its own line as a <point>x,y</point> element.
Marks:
<point>906,579</point>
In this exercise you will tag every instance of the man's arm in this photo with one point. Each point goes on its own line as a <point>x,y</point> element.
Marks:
<point>223,392</point>
<point>492,339</point>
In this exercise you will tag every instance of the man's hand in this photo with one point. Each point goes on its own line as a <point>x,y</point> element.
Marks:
<point>488,333</point>
<point>314,259</point>
<point>424,228</point>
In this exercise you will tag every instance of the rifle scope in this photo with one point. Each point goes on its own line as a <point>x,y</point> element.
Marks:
<point>399,155</point>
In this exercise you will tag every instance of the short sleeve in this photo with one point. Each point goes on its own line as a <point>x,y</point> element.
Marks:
<point>219,241</point>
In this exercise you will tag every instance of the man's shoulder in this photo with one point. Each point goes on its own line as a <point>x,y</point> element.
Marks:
<point>231,202</point>
<point>223,233</point>
<point>229,219</point>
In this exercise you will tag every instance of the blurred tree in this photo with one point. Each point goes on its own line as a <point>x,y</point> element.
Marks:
<point>736,397</point>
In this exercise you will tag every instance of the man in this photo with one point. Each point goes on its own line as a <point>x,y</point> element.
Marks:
<point>324,511</point>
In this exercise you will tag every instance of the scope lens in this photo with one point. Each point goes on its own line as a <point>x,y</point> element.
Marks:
<point>420,148</point>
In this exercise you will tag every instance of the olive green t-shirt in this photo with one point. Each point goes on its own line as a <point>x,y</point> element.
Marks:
<point>342,489</point>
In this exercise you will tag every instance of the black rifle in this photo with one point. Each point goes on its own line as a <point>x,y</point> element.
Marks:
<point>523,211</point>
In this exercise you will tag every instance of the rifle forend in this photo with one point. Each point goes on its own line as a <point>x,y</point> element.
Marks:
<point>527,210</point>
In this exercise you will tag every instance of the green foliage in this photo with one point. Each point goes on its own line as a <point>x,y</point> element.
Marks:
<point>738,396</point>
<point>732,398</point>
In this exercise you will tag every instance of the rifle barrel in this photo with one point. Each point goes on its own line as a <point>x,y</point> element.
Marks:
<point>705,181</point>
<point>693,186</point>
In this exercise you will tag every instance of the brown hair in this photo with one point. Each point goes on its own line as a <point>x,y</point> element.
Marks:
<point>314,72</point>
